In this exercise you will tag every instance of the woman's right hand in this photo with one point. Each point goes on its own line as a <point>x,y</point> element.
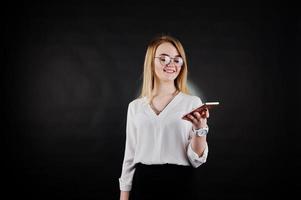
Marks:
<point>124,195</point>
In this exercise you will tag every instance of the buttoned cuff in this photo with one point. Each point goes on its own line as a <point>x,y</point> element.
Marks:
<point>124,186</point>
<point>194,158</point>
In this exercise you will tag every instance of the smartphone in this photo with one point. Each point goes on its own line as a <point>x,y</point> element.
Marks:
<point>208,105</point>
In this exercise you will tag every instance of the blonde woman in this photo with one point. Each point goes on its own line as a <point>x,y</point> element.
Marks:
<point>162,150</point>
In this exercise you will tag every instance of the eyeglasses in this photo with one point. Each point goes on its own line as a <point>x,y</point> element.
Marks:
<point>166,60</point>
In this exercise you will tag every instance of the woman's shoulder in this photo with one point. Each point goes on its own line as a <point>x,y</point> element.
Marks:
<point>137,101</point>
<point>191,97</point>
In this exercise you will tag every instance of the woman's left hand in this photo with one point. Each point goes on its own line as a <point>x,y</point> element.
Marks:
<point>199,119</point>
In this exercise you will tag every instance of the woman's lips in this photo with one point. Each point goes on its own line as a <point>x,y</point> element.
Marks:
<point>170,71</point>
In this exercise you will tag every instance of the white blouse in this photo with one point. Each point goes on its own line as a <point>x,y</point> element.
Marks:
<point>159,139</point>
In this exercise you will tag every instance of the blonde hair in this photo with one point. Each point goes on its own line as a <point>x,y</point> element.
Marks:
<point>148,72</point>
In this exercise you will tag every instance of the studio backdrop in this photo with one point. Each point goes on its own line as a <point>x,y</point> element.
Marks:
<point>71,70</point>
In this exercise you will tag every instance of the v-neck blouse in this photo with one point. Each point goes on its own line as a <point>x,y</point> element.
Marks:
<point>159,139</point>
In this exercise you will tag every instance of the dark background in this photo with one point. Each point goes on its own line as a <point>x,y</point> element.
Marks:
<point>70,70</point>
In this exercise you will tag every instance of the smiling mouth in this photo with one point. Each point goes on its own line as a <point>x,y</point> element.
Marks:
<point>170,71</point>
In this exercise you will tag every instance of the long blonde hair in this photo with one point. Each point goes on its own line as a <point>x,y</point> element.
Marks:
<point>148,72</point>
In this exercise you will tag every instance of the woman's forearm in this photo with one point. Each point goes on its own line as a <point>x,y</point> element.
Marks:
<point>124,195</point>
<point>198,144</point>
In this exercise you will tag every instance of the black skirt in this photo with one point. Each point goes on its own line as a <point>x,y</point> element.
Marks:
<point>166,181</point>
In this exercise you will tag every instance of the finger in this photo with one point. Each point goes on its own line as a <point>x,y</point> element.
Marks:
<point>197,115</point>
<point>203,113</point>
<point>207,114</point>
<point>193,119</point>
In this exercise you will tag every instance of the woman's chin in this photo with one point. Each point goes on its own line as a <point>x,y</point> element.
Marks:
<point>170,78</point>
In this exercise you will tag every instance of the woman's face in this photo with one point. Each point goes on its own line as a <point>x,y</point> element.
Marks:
<point>168,62</point>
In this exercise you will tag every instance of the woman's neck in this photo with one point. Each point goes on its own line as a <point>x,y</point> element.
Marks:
<point>164,88</point>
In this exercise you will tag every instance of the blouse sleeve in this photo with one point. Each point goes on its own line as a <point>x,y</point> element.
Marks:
<point>193,157</point>
<point>128,166</point>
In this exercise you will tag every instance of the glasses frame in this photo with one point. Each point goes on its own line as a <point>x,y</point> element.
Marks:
<point>171,60</point>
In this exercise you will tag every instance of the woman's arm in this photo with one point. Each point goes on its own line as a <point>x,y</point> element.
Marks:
<point>199,120</point>
<point>128,166</point>
<point>198,144</point>
<point>124,195</point>
<point>198,148</point>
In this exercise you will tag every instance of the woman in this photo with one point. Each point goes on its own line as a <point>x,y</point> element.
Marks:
<point>162,150</point>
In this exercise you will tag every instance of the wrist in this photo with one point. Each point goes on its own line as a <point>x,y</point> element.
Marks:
<point>200,131</point>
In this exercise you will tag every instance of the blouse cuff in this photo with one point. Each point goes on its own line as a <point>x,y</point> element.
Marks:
<point>123,186</point>
<point>194,158</point>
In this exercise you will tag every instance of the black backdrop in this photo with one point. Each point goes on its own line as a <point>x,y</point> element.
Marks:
<point>71,69</point>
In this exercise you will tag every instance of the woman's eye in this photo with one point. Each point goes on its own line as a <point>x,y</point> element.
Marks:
<point>179,61</point>
<point>165,59</point>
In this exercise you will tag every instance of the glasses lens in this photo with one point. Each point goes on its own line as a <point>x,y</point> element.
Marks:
<point>178,61</point>
<point>165,60</point>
